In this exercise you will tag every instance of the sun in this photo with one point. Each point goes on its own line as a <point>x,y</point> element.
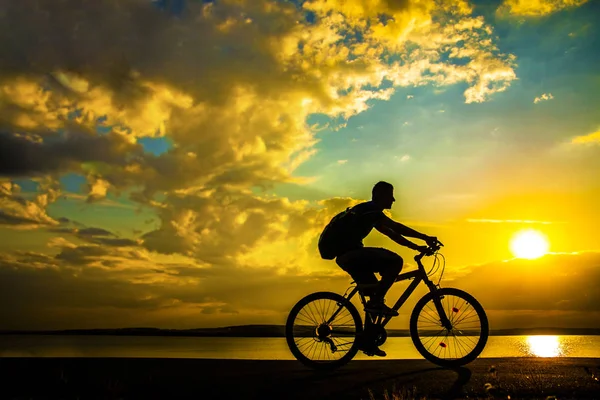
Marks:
<point>529,243</point>
<point>545,346</point>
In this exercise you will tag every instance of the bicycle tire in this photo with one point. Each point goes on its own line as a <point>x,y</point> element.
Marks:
<point>293,345</point>
<point>457,361</point>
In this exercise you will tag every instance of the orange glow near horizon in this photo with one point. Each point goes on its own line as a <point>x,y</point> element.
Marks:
<point>529,244</point>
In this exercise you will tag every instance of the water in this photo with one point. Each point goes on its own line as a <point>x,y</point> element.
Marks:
<point>267,348</point>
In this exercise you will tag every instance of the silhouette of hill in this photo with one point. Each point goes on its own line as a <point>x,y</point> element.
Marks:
<point>271,331</point>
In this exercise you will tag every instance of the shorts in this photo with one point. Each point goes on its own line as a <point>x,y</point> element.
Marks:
<point>362,263</point>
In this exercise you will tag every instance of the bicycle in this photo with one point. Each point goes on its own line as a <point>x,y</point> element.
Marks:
<point>440,318</point>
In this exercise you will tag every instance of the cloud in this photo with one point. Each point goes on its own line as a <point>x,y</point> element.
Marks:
<point>94,232</point>
<point>420,32</point>
<point>404,158</point>
<point>543,97</point>
<point>94,235</point>
<point>221,227</point>
<point>17,212</point>
<point>104,202</point>
<point>553,283</point>
<point>82,255</point>
<point>126,287</point>
<point>591,138</point>
<point>98,190</point>
<point>230,85</point>
<point>21,157</point>
<point>234,106</point>
<point>537,8</point>
<point>508,221</point>
<point>117,287</point>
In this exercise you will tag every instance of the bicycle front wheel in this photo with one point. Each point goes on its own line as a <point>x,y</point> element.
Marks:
<point>457,346</point>
<point>322,330</point>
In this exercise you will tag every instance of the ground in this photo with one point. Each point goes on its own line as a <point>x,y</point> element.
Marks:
<point>151,378</point>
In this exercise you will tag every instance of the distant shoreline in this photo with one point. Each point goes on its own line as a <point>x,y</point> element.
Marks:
<point>271,331</point>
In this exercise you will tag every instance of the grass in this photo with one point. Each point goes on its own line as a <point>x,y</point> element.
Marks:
<point>493,388</point>
<point>402,393</point>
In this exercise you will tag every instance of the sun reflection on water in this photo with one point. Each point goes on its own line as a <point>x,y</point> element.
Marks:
<point>545,346</point>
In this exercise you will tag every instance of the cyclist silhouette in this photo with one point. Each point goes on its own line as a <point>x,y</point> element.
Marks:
<point>362,262</point>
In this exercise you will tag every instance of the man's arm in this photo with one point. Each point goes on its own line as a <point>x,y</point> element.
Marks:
<point>396,231</point>
<point>406,231</point>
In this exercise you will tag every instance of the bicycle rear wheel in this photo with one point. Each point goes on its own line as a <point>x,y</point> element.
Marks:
<point>322,330</point>
<point>457,346</point>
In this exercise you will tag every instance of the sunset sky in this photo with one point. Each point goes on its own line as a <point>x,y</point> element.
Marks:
<point>171,163</point>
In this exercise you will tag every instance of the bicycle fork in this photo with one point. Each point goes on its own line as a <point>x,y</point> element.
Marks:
<point>437,301</point>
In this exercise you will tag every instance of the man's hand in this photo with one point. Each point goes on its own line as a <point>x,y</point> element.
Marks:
<point>431,240</point>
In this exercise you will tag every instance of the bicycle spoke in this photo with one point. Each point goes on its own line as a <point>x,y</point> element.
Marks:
<point>312,348</point>
<point>455,315</point>
<point>311,307</point>
<point>304,319</point>
<point>307,316</point>
<point>432,320</point>
<point>321,319</point>
<point>429,326</point>
<point>345,321</point>
<point>444,341</point>
<point>327,314</point>
<point>459,347</point>
<point>338,343</point>
<point>307,341</point>
<point>469,319</point>
<point>466,315</point>
<point>433,310</point>
<point>459,344</point>
<point>429,341</point>
<point>318,306</point>
<point>339,316</point>
<point>326,310</point>
<point>306,345</point>
<point>448,307</point>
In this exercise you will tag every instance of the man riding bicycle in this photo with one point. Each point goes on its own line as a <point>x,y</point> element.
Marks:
<point>342,240</point>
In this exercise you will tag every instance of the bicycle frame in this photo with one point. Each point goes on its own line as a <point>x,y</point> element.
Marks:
<point>419,275</point>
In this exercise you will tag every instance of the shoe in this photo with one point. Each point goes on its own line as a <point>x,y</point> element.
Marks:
<point>372,351</point>
<point>379,307</point>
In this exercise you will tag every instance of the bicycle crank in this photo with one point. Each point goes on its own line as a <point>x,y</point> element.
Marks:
<point>376,334</point>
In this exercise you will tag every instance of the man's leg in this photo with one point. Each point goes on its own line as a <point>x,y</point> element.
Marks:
<point>389,265</point>
<point>359,265</point>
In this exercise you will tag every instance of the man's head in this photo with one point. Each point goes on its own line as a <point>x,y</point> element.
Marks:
<point>383,195</point>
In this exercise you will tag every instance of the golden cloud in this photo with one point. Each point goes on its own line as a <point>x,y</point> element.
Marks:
<point>20,213</point>
<point>591,138</point>
<point>543,97</point>
<point>537,8</point>
<point>238,104</point>
<point>230,84</point>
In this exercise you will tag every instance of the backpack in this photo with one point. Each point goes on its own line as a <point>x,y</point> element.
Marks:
<point>334,236</point>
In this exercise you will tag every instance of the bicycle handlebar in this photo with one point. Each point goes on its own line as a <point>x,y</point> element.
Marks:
<point>430,251</point>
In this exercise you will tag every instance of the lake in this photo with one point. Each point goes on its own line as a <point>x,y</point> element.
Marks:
<point>267,348</point>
